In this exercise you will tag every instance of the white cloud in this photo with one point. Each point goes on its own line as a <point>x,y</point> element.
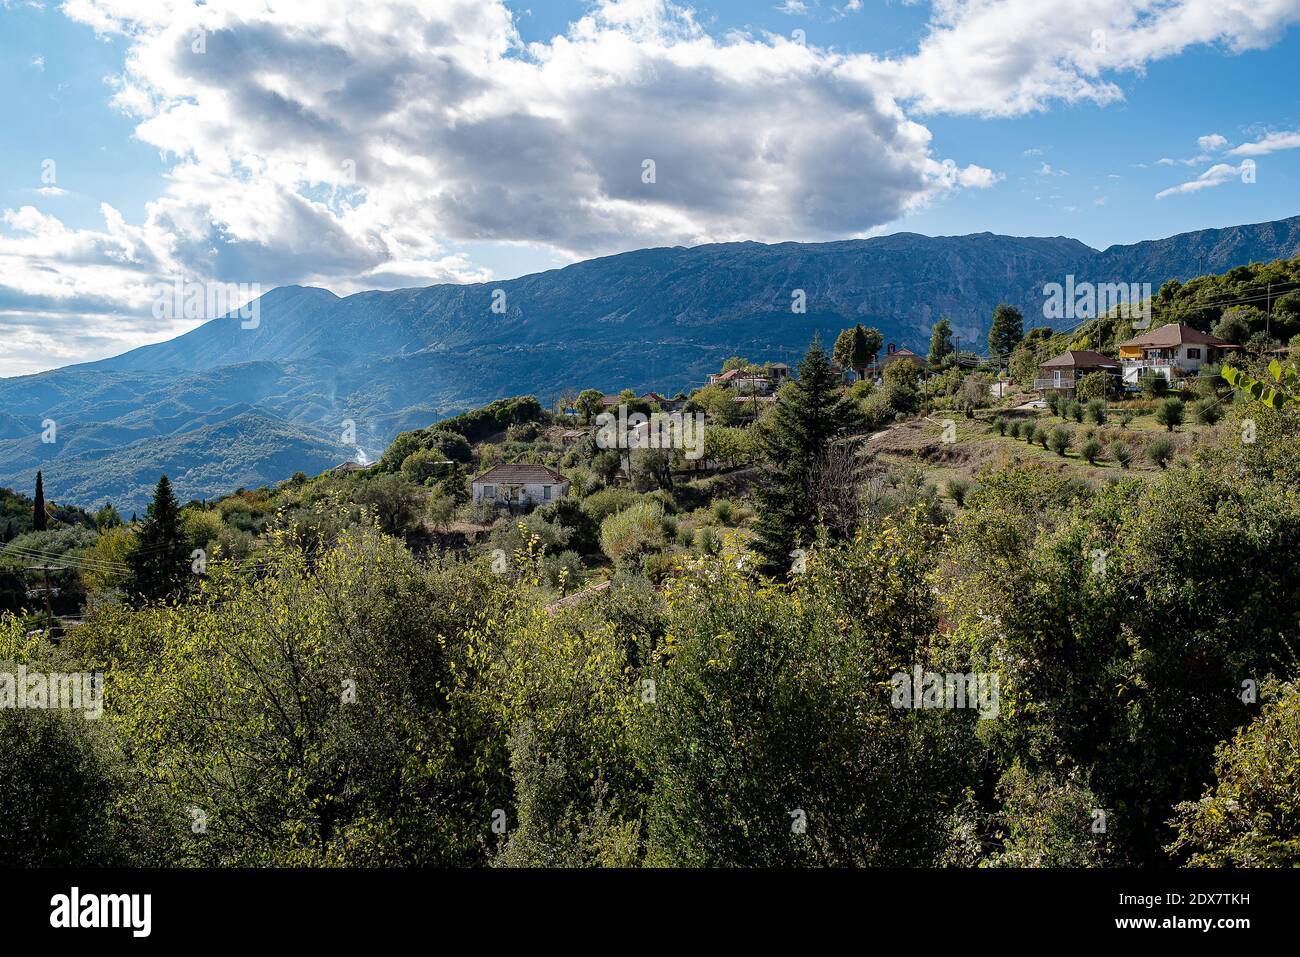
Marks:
<point>1268,144</point>
<point>1212,142</point>
<point>38,62</point>
<point>1010,57</point>
<point>353,145</point>
<point>1216,175</point>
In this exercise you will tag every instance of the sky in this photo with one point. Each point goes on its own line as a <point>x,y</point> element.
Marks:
<point>148,146</point>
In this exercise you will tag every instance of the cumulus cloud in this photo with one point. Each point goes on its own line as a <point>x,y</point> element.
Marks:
<point>1212,142</point>
<point>360,145</point>
<point>1010,57</point>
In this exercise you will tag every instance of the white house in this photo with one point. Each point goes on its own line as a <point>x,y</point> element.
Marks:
<point>1173,349</point>
<point>520,485</point>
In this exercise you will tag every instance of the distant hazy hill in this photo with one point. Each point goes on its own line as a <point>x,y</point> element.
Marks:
<point>654,318</point>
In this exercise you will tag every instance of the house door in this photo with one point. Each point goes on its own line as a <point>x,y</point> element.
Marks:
<point>1056,378</point>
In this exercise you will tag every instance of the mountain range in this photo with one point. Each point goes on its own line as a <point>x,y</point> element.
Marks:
<point>324,379</point>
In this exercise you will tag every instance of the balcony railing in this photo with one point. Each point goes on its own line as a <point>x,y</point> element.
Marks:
<point>1065,382</point>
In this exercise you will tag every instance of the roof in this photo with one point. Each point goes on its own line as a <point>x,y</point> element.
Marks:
<point>611,399</point>
<point>1175,334</point>
<point>728,375</point>
<point>754,398</point>
<point>653,397</point>
<point>1080,359</point>
<point>521,474</point>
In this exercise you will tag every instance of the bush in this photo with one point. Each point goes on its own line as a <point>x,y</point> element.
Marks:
<point>1029,432</point>
<point>957,489</point>
<point>1208,411</point>
<point>1121,453</point>
<point>1060,440</point>
<point>628,536</point>
<point>1076,411</point>
<point>1097,411</point>
<point>1000,425</point>
<point>1152,384</point>
<point>1170,413</point>
<point>1014,429</point>
<point>605,503</point>
<point>1090,450</point>
<point>1125,418</point>
<point>1160,451</point>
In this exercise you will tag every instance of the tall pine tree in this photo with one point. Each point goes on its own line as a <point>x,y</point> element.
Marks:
<point>159,561</point>
<point>39,518</point>
<point>1006,332</point>
<point>793,440</point>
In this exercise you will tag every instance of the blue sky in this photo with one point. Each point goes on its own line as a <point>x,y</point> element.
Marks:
<point>497,138</point>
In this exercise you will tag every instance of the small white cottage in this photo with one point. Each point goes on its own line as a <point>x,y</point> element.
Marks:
<point>519,485</point>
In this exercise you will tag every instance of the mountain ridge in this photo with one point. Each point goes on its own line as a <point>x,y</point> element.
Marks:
<point>658,318</point>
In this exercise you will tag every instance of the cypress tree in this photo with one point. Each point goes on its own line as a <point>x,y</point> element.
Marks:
<point>160,560</point>
<point>811,412</point>
<point>39,521</point>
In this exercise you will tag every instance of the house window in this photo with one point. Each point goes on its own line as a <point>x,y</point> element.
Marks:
<point>546,493</point>
<point>489,491</point>
<point>1193,353</point>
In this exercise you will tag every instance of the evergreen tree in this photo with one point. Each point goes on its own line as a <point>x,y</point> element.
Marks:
<point>1006,332</point>
<point>940,341</point>
<point>39,519</point>
<point>160,560</point>
<point>793,440</point>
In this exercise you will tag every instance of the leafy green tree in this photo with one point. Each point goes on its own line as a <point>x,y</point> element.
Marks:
<point>589,404</point>
<point>793,439</point>
<point>1121,453</point>
<point>940,341</point>
<point>1090,450</point>
<point>160,560</point>
<point>813,766</point>
<point>107,517</point>
<point>1248,818</point>
<point>1060,440</point>
<point>1096,411</point>
<point>1006,331</point>
<point>1092,385</point>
